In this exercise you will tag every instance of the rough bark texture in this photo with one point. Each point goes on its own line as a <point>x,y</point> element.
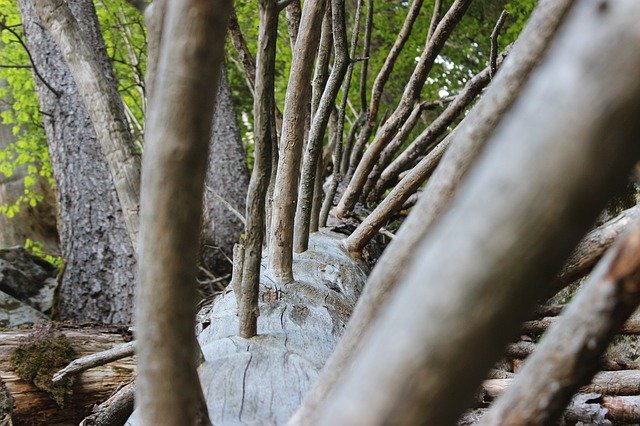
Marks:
<point>35,407</point>
<point>176,152</point>
<point>94,80</point>
<point>514,242</point>
<point>394,262</point>
<point>228,177</point>
<point>98,280</point>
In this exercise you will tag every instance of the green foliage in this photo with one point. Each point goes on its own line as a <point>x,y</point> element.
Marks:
<point>125,39</point>
<point>39,356</point>
<point>124,35</point>
<point>37,249</point>
<point>23,114</point>
<point>465,53</point>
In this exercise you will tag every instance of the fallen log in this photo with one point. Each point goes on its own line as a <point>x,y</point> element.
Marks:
<point>33,406</point>
<point>589,408</point>
<point>632,326</point>
<point>618,383</point>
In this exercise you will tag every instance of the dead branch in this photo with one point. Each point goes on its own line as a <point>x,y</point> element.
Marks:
<point>97,359</point>
<point>493,55</point>
<point>113,411</point>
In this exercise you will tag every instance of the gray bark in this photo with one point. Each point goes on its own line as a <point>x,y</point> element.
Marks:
<point>98,280</point>
<point>261,380</point>
<point>509,237</point>
<point>227,177</point>
<point>298,95</point>
<point>88,65</point>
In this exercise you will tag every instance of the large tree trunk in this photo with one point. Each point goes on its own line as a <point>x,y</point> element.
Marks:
<point>226,186</point>
<point>98,281</point>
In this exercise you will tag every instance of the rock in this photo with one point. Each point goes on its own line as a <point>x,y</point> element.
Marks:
<point>14,313</point>
<point>28,278</point>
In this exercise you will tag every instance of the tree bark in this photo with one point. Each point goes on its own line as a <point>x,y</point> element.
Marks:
<point>227,178</point>
<point>98,280</point>
<point>513,243</point>
<point>293,126</point>
<point>88,64</point>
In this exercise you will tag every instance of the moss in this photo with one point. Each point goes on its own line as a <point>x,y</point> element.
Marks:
<point>39,356</point>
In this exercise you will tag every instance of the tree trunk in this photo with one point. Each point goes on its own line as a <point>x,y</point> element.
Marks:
<point>227,178</point>
<point>179,131</point>
<point>98,281</point>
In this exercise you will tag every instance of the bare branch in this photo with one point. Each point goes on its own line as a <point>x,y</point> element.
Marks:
<point>240,45</point>
<point>410,95</point>
<point>97,359</point>
<point>493,56</point>
<point>33,65</point>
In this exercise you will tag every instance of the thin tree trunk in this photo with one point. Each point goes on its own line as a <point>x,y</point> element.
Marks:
<point>98,281</point>
<point>418,147</point>
<point>412,181</point>
<point>293,127</point>
<point>512,244</point>
<point>174,169</point>
<point>378,86</point>
<point>319,125</point>
<point>263,126</point>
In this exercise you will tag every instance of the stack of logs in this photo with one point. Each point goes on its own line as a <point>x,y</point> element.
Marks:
<point>613,394</point>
